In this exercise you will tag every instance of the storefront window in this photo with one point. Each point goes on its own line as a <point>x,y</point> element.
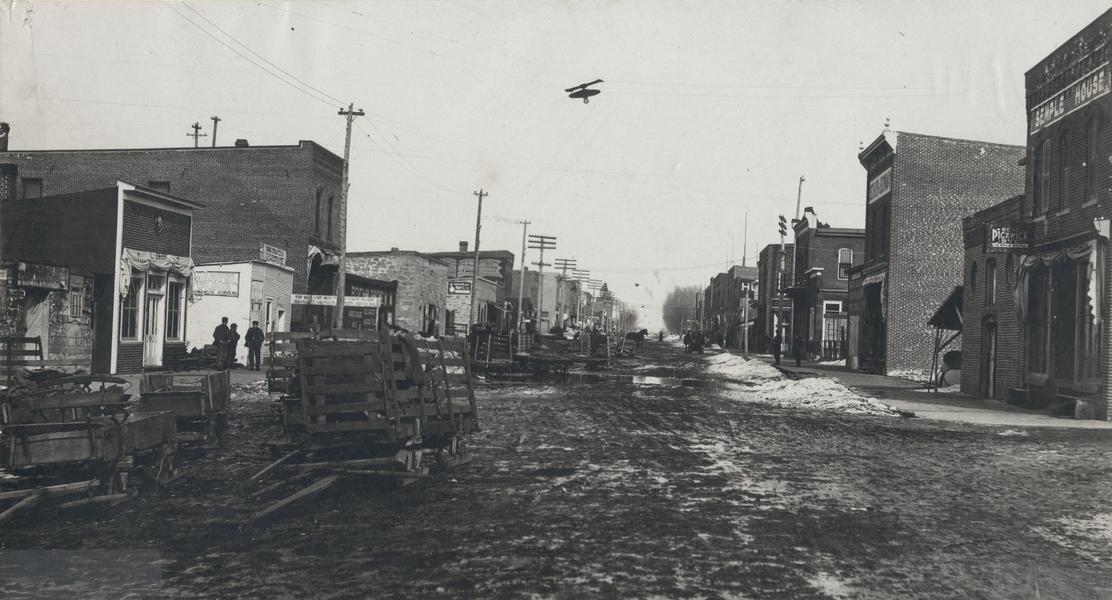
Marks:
<point>1088,334</point>
<point>129,310</point>
<point>1037,290</point>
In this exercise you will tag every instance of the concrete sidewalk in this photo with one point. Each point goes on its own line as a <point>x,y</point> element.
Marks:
<point>907,395</point>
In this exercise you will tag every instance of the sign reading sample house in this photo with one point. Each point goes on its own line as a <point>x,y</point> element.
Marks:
<point>216,283</point>
<point>1004,238</point>
<point>1084,90</point>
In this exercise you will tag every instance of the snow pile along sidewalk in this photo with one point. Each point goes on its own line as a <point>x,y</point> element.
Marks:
<point>819,393</point>
<point>735,367</point>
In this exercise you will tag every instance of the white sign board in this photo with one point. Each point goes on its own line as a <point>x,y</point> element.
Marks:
<point>880,185</point>
<point>459,287</point>
<point>324,300</point>
<point>216,283</point>
<point>273,255</point>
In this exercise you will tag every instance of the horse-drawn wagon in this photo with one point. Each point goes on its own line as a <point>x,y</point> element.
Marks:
<point>199,401</point>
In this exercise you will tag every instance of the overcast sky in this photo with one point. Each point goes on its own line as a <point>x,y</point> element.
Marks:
<point>708,110</point>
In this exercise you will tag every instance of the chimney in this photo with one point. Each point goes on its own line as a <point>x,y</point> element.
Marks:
<point>463,246</point>
<point>241,143</point>
<point>4,130</point>
<point>8,179</point>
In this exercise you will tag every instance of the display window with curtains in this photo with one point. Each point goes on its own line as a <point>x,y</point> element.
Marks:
<point>1058,296</point>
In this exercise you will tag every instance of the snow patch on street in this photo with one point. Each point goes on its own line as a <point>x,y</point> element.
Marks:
<point>918,375</point>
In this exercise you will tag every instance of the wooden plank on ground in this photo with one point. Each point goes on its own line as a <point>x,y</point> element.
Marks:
<point>313,488</point>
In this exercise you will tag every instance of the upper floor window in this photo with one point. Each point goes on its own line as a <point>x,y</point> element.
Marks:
<point>331,198</point>
<point>1040,186</point>
<point>845,262</point>
<point>1092,158</point>
<point>1063,171</point>
<point>32,187</point>
<point>973,278</point>
<point>316,213</point>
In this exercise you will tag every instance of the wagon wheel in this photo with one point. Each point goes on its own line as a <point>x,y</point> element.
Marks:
<point>114,477</point>
<point>221,428</point>
<point>166,469</point>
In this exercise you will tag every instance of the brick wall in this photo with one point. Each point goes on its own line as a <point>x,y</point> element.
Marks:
<point>936,182</point>
<point>263,194</point>
<point>976,312</point>
<point>421,280</point>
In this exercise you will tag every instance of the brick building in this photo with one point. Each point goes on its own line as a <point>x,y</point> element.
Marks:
<point>823,257</point>
<point>1062,274</point>
<point>102,277</point>
<point>990,341</point>
<point>724,312</point>
<point>773,307</point>
<point>284,196</point>
<point>421,303</point>
<point>497,266</point>
<point>919,187</point>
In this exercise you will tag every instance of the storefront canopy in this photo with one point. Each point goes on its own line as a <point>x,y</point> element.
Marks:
<point>948,315</point>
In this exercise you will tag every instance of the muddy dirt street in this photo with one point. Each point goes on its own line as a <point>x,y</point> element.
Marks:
<point>624,490</point>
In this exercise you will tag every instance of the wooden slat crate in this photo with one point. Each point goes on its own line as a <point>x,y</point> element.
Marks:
<point>282,361</point>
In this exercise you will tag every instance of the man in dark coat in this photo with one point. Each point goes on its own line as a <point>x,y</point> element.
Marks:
<point>233,341</point>
<point>220,337</point>
<point>254,342</point>
<point>797,349</point>
<point>777,341</point>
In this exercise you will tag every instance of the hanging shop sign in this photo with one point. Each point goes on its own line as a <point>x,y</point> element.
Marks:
<point>1082,91</point>
<point>216,283</point>
<point>326,300</point>
<point>273,255</point>
<point>1006,238</point>
<point>41,276</point>
<point>459,287</point>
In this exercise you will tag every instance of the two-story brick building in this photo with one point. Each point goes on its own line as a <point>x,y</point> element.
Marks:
<point>1053,254</point>
<point>724,309</point>
<point>286,197</point>
<point>918,188</point>
<point>774,273</point>
<point>823,257</point>
<point>103,277</point>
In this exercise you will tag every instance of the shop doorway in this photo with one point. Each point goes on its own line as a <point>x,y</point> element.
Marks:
<point>153,322</point>
<point>37,317</point>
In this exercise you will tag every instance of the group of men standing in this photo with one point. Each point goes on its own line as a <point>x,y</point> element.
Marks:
<point>226,338</point>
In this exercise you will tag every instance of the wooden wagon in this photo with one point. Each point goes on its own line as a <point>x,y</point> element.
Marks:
<point>60,439</point>
<point>199,402</point>
<point>372,405</point>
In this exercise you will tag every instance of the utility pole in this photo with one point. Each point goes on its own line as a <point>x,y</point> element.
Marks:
<point>521,279</point>
<point>745,239</point>
<point>583,276</point>
<point>341,275</point>
<point>542,243</point>
<point>215,121</point>
<point>196,135</point>
<point>563,264</point>
<point>471,317</point>
<point>795,253</point>
<point>745,320</point>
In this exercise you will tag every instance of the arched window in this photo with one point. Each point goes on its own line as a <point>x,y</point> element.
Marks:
<point>1040,186</point>
<point>990,282</point>
<point>973,278</point>
<point>845,262</point>
<point>331,198</point>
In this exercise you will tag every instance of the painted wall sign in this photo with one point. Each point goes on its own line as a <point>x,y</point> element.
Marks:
<point>459,287</point>
<point>325,300</point>
<point>1004,238</point>
<point>216,283</point>
<point>880,185</point>
<point>41,276</point>
<point>1089,87</point>
<point>273,255</point>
